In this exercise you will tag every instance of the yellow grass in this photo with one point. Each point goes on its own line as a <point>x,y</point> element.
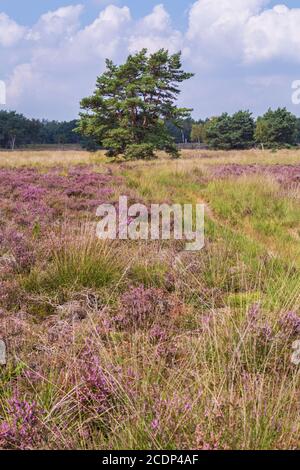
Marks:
<point>189,158</point>
<point>253,156</point>
<point>48,158</point>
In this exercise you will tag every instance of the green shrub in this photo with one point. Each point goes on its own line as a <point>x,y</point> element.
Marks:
<point>140,152</point>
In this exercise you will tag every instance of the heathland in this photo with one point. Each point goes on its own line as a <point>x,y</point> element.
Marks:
<point>140,344</point>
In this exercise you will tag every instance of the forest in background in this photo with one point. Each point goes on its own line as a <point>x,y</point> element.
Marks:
<point>18,131</point>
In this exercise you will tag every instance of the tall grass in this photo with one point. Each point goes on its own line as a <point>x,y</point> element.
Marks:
<point>140,345</point>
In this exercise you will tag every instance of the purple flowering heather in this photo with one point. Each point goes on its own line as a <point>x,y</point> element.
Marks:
<point>168,412</point>
<point>141,306</point>
<point>261,330</point>
<point>287,175</point>
<point>28,196</point>
<point>265,333</point>
<point>290,323</point>
<point>98,388</point>
<point>20,248</point>
<point>254,313</point>
<point>32,202</point>
<point>206,443</point>
<point>23,429</point>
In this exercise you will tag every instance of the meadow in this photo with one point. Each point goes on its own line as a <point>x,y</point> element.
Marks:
<point>140,344</point>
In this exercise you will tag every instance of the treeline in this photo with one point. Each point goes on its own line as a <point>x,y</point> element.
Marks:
<point>18,131</point>
<point>274,129</point>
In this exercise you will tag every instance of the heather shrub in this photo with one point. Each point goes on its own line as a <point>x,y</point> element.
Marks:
<point>17,251</point>
<point>31,197</point>
<point>286,175</point>
<point>142,307</point>
<point>10,294</point>
<point>99,388</point>
<point>169,413</point>
<point>23,428</point>
<point>259,341</point>
<point>289,323</point>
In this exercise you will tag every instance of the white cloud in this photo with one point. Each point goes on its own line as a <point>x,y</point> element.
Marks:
<point>104,35</point>
<point>208,18</point>
<point>59,24</point>
<point>10,31</point>
<point>227,43</point>
<point>61,60</point>
<point>22,80</point>
<point>216,27</point>
<point>273,34</point>
<point>103,3</point>
<point>244,30</point>
<point>159,20</point>
<point>155,31</point>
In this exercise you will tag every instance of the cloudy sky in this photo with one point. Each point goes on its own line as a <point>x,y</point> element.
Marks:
<point>245,53</point>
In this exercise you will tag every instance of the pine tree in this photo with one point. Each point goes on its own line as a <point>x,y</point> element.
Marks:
<point>131,104</point>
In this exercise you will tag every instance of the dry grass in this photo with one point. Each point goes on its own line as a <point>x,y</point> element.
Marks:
<point>46,158</point>
<point>140,345</point>
<point>49,158</point>
<point>253,156</point>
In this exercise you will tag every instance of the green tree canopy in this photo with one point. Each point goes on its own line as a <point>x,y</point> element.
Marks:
<point>298,131</point>
<point>198,133</point>
<point>132,102</point>
<point>15,129</point>
<point>230,132</point>
<point>276,128</point>
<point>181,131</point>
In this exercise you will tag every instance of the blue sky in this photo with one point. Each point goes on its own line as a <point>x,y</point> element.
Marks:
<point>28,11</point>
<point>245,53</point>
